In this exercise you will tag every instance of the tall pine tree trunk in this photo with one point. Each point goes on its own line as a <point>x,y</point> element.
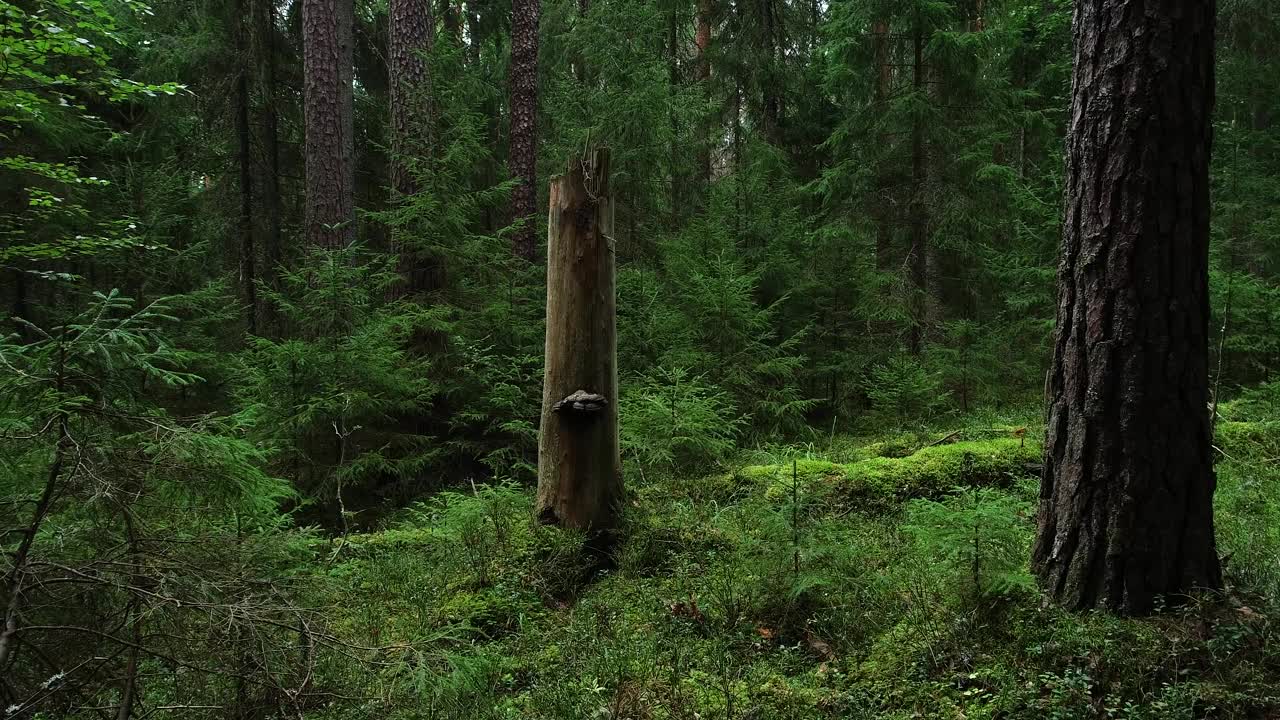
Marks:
<point>702,39</point>
<point>579,466</point>
<point>772,90</point>
<point>452,20</point>
<point>1126,503</point>
<point>327,100</point>
<point>524,129</point>
<point>409,36</point>
<point>265,54</point>
<point>244,159</point>
<point>673,88</point>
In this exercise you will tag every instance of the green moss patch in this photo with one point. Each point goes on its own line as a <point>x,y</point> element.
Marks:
<point>1249,440</point>
<point>879,481</point>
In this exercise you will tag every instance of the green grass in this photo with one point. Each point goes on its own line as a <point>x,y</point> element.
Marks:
<point>729,602</point>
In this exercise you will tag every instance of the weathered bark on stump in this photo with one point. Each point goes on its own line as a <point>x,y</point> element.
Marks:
<point>330,135</point>
<point>1126,503</point>
<point>579,465</point>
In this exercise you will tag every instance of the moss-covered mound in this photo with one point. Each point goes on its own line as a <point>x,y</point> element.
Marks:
<point>879,481</point>
<point>1255,441</point>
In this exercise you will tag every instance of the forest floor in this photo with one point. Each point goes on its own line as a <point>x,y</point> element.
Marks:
<point>877,577</point>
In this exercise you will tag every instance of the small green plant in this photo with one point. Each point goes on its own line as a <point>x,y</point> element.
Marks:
<point>982,534</point>
<point>902,388</point>
<point>673,419</point>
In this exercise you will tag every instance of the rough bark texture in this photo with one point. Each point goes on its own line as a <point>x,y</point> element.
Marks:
<point>524,116</point>
<point>330,149</point>
<point>409,36</point>
<point>1126,509</point>
<point>579,465</point>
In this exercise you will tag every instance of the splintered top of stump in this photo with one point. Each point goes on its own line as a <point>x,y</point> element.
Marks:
<point>581,402</point>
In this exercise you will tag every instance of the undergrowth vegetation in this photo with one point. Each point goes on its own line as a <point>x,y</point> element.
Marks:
<point>762,592</point>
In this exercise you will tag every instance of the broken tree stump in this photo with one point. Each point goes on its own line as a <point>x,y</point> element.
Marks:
<point>579,463</point>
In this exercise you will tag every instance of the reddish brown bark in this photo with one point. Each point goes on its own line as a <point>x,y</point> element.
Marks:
<point>409,36</point>
<point>702,40</point>
<point>524,129</point>
<point>409,33</point>
<point>1126,503</point>
<point>244,158</point>
<point>327,100</point>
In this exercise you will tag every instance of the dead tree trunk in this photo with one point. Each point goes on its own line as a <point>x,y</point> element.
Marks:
<point>579,464</point>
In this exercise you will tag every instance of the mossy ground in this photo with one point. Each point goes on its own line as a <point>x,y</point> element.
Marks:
<point>729,601</point>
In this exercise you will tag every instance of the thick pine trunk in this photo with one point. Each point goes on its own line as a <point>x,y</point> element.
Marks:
<point>409,36</point>
<point>579,466</point>
<point>1126,503</point>
<point>524,130</point>
<point>330,149</point>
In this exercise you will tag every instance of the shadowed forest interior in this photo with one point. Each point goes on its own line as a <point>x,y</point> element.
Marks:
<point>639,359</point>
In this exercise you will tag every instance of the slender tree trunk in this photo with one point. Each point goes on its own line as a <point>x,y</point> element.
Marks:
<point>473,32</point>
<point>134,614</point>
<point>265,40</point>
<point>452,22</point>
<point>737,156</point>
<point>919,256</point>
<point>702,40</point>
<point>883,215</point>
<point>330,161</point>
<point>1126,502</point>
<point>14,579</point>
<point>580,69</point>
<point>673,87</point>
<point>524,128</point>
<point>244,158</point>
<point>579,466</point>
<point>771,100</point>
<point>409,36</point>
